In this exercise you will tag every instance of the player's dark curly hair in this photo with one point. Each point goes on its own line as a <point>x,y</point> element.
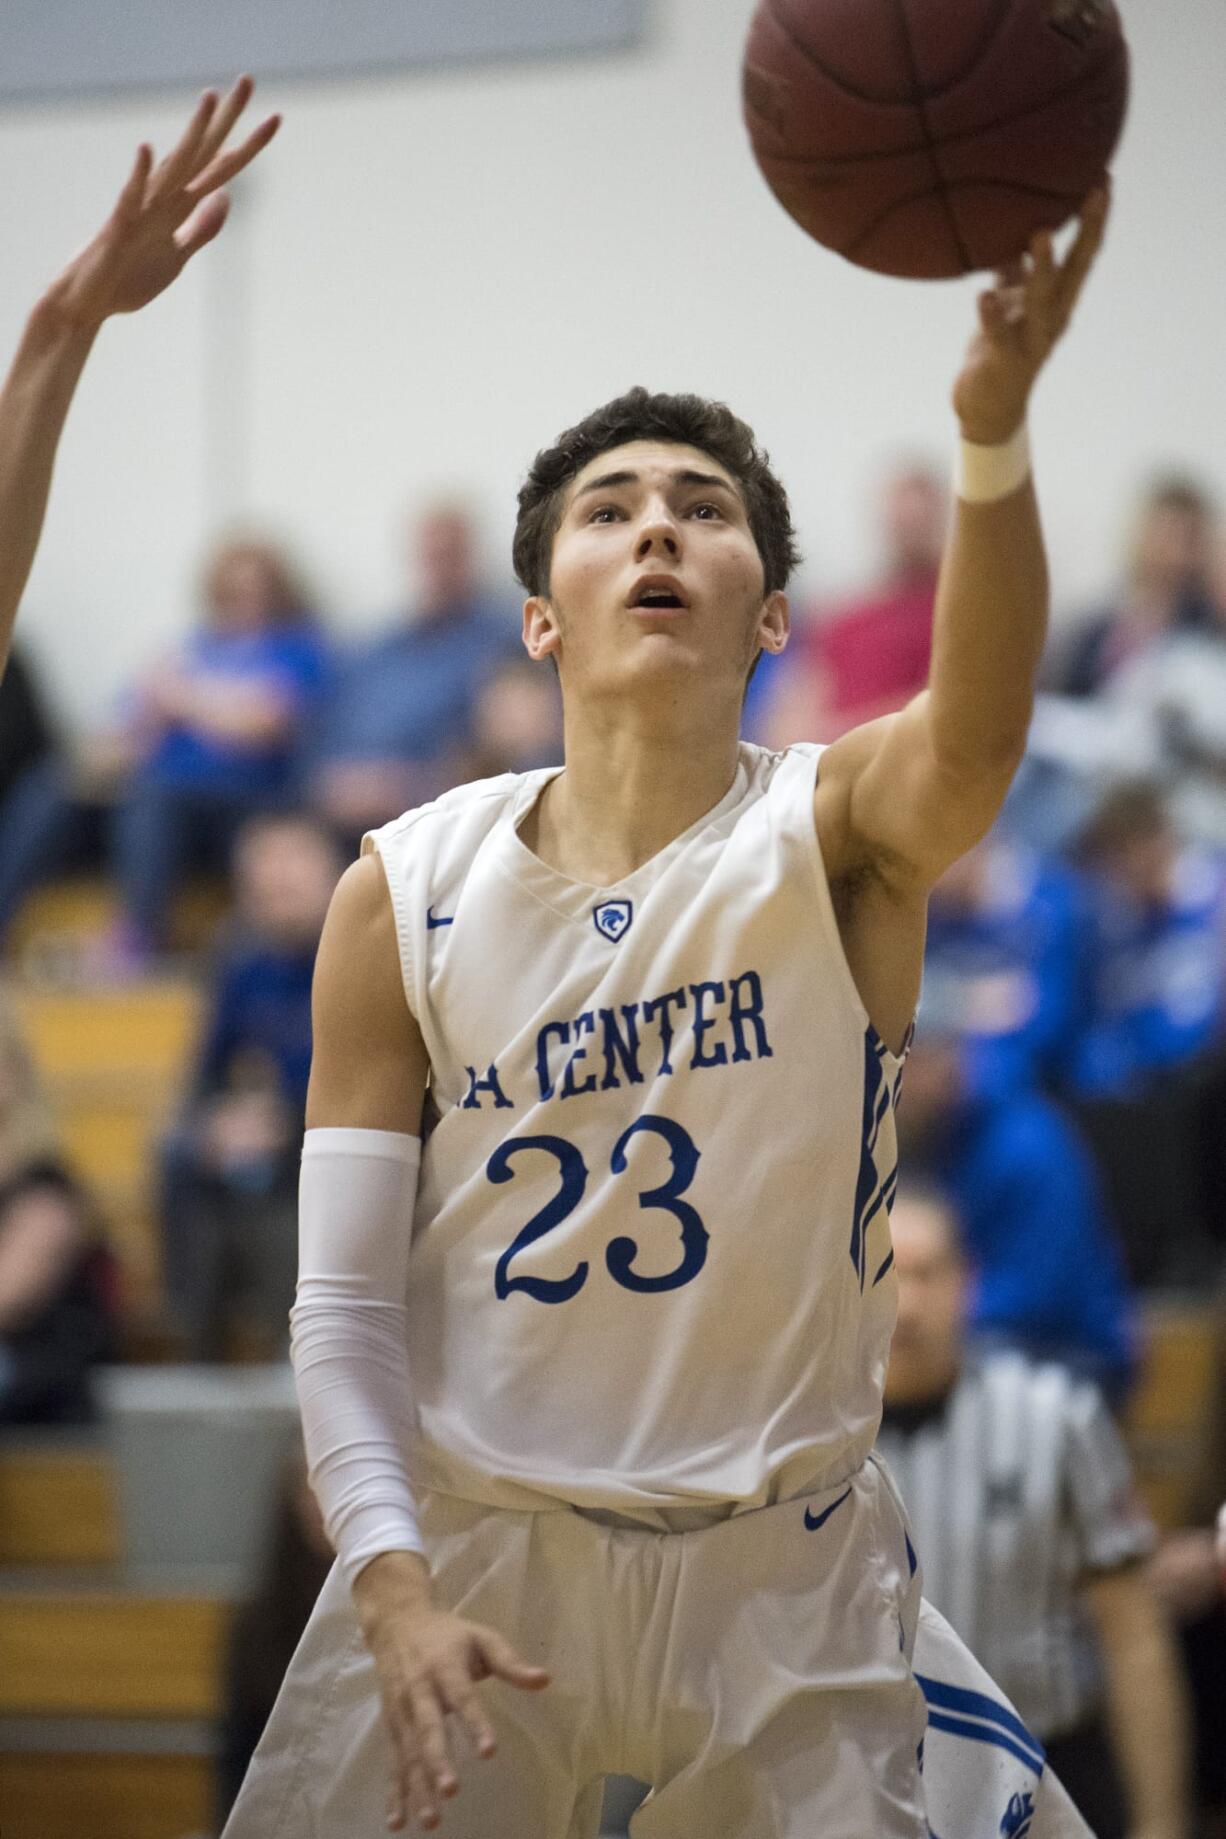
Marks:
<point>690,421</point>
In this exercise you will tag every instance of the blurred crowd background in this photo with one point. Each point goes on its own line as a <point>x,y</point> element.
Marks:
<point>204,714</point>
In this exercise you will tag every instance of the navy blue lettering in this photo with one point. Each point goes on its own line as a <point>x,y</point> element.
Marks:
<point>544,1077</point>
<point>583,1024</point>
<point>703,1025</point>
<point>472,1102</point>
<point>671,999</point>
<point>615,1048</point>
<point>748,1011</point>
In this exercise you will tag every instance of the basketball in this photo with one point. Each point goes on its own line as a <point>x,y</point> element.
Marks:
<point>931,138</point>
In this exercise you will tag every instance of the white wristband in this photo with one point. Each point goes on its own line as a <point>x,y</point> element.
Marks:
<point>982,475</point>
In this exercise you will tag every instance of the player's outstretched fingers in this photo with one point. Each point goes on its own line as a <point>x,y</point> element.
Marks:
<point>1086,245</point>
<point>203,225</point>
<point>502,1662</point>
<point>422,1807</point>
<point>227,166</point>
<point>180,161</point>
<point>130,199</point>
<point>432,1740</point>
<point>224,119</point>
<point>465,1701</point>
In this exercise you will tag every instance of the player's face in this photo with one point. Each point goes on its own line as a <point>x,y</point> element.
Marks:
<point>655,571</point>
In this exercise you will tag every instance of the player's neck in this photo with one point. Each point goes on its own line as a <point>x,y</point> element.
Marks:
<point>625,794</point>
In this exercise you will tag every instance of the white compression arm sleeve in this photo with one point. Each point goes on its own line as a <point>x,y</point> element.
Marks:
<point>348,1336</point>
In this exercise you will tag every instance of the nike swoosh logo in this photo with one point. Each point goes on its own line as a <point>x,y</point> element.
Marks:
<point>432,921</point>
<point>814,1520</point>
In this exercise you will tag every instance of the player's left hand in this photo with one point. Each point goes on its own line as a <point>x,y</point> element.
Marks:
<point>1021,317</point>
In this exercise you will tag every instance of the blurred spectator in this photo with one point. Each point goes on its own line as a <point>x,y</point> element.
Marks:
<point>397,729</point>
<point>517,723</point>
<point>58,1302</point>
<point>1004,964</point>
<point>1048,1274</point>
<point>211,735</point>
<point>230,1169</point>
<point>1158,957</point>
<point>1166,589</point>
<point>206,739</point>
<point>1031,1535</point>
<point>268,1627</point>
<point>32,784</point>
<point>869,656</point>
<point>1131,690</point>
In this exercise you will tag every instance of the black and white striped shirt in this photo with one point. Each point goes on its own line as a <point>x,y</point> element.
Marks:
<point>1016,1490</point>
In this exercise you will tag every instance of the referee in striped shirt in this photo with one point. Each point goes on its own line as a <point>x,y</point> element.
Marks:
<point>1031,1538</point>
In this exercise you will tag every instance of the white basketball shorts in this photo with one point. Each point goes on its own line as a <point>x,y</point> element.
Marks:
<point>756,1672</point>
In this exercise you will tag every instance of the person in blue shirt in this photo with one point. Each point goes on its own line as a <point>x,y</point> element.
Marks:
<point>1157,966</point>
<point>229,1169</point>
<point>1004,963</point>
<point>213,733</point>
<point>1049,1276</point>
<point>397,728</point>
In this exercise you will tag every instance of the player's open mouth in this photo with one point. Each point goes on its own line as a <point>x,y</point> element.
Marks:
<point>658,593</point>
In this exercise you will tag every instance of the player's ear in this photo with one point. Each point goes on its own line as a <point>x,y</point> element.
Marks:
<point>774,622</point>
<point>541,634</point>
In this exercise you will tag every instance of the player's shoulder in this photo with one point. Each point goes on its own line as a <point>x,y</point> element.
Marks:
<point>476,804</point>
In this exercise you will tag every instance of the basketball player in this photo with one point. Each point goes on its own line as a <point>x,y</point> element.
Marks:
<point>164,214</point>
<point>594,1280</point>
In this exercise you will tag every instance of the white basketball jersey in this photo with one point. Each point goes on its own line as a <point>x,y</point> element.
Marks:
<point>651,1262</point>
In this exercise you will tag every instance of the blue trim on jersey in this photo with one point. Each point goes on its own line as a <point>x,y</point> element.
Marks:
<point>876,1104</point>
<point>912,1560</point>
<point>984,1733</point>
<point>978,1705</point>
<point>884,1266</point>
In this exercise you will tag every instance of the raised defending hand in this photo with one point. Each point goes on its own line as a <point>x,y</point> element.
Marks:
<point>1021,317</point>
<point>163,215</point>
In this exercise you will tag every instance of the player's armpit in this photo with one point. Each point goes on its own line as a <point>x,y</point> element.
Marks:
<point>885,800</point>
<point>369,1066</point>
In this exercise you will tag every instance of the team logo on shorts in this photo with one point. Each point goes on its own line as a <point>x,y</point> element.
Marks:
<point>612,918</point>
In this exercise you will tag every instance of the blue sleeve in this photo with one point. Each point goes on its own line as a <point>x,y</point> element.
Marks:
<point>300,659</point>
<point>1048,1262</point>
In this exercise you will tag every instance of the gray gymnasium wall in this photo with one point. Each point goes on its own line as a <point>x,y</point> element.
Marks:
<point>51,48</point>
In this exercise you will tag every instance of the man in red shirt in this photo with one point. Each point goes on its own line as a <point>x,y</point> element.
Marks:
<point>868,655</point>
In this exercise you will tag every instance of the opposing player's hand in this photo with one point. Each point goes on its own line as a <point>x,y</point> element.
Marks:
<point>1021,317</point>
<point>163,215</point>
<point>430,1663</point>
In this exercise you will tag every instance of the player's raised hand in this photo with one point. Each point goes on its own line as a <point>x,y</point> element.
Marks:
<point>163,215</point>
<point>1021,317</point>
<point>430,1663</point>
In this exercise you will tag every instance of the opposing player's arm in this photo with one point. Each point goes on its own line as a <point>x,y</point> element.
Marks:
<point>913,791</point>
<point>163,215</point>
<point>1147,1706</point>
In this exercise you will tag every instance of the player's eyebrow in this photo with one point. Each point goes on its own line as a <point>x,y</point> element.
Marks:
<point>686,475</point>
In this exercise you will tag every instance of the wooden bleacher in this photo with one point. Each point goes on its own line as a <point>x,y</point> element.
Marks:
<point>114,1060</point>
<point>1171,1419</point>
<point>109,1687</point>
